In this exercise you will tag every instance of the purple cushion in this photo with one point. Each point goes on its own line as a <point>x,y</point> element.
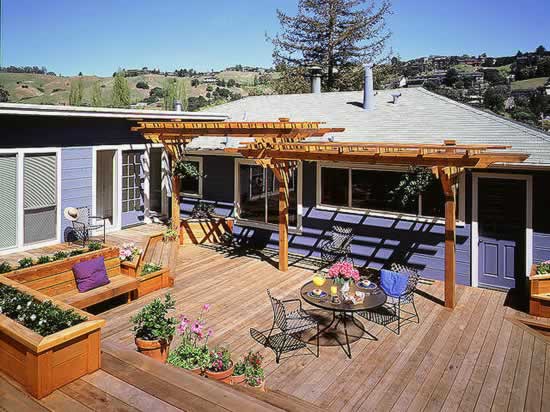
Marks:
<point>90,274</point>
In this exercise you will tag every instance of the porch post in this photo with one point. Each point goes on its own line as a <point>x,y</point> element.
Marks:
<point>450,239</point>
<point>283,218</point>
<point>176,211</point>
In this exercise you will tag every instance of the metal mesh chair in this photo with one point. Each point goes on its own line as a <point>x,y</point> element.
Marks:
<point>291,320</point>
<point>338,247</point>
<point>85,224</point>
<point>393,310</point>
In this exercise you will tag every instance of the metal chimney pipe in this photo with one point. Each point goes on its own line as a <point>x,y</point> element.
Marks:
<point>368,93</point>
<point>315,79</point>
<point>178,106</point>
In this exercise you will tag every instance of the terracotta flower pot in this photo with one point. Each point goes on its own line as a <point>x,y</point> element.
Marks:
<point>237,379</point>
<point>220,376</point>
<point>196,371</point>
<point>156,349</point>
<point>260,387</point>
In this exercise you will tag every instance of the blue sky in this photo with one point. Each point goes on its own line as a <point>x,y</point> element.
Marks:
<point>99,36</point>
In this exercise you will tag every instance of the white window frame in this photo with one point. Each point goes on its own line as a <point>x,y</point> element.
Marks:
<point>382,213</point>
<point>20,154</point>
<point>198,159</point>
<point>263,225</point>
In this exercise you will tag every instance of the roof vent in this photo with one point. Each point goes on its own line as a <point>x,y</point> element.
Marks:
<point>368,93</point>
<point>315,79</point>
<point>395,97</point>
<point>177,106</point>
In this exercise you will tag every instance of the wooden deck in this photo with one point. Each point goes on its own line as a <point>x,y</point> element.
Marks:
<point>471,358</point>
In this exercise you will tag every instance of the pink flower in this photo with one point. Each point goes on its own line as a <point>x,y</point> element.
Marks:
<point>343,270</point>
<point>206,307</point>
<point>196,327</point>
<point>210,332</point>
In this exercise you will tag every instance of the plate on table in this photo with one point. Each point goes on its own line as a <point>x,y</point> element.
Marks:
<point>317,294</point>
<point>366,284</point>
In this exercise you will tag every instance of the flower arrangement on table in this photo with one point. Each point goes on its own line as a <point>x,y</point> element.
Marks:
<point>543,268</point>
<point>192,352</point>
<point>342,272</point>
<point>129,251</point>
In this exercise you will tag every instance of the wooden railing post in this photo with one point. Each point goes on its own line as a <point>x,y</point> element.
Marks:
<point>450,238</point>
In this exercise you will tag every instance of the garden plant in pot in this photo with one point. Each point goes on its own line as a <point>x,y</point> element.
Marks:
<point>192,352</point>
<point>254,373</point>
<point>154,328</point>
<point>221,366</point>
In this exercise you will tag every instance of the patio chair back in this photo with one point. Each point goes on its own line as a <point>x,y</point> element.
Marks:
<point>412,273</point>
<point>83,215</point>
<point>341,237</point>
<point>279,312</point>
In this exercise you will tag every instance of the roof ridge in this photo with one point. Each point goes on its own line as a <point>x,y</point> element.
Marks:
<point>529,130</point>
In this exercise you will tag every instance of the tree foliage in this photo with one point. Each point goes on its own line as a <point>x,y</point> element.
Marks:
<point>76,93</point>
<point>332,34</point>
<point>97,99</point>
<point>175,90</point>
<point>121,91</point>
<point>495,97</point>
<point>4,94</point>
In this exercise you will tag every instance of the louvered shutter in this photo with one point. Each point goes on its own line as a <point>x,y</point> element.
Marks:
<point>8,201</point>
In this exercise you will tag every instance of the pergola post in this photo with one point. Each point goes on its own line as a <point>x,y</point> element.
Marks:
<point>450,237</point>
<point>176,210</point>
<point>283,222</point>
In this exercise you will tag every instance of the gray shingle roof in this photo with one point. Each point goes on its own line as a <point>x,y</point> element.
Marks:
<point>419,117</point>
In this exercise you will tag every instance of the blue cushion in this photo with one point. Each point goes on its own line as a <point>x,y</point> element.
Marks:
<point>393,283</point>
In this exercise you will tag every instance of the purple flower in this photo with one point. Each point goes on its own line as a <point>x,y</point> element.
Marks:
<point>196,327</point>
<point>206,307</point>
<point>210,332</point>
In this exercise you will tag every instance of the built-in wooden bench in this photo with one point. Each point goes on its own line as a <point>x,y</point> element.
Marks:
<point>539,299</point>
<point>156,251</point>
<point>56,279</point>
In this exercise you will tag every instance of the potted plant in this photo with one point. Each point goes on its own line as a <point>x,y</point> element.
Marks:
<point>543,268</point>
<point>254,373</point>
<point>238,373</point>
<point>221,366</point>
<point>192,353</point>
<point>154,328</point>
<point>342,273</point>
<point>128,252</point>
<point>170,235</point>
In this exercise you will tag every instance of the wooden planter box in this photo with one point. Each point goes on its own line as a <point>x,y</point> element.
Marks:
<point>44,364</point>
<point>539,298</point>
<point>147,283</point>
<point>199,231</point>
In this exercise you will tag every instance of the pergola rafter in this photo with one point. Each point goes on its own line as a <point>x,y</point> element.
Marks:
<point>280,145</point>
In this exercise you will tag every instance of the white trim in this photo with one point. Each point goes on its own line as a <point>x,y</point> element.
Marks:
<point>475,227</point>
<point>263,225</point>
<point>20,193</point>
<point>199,160</point>
<point>117,182</point>
<point>383,213</point>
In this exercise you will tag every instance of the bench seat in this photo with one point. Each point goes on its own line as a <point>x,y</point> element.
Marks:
<point>119,285</point>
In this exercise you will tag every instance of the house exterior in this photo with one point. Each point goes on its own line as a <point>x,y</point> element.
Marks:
<point>53,157</point>
<point>503,223</point>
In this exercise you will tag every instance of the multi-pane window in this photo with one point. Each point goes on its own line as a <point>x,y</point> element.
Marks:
<point>131,181</point>
<point>189,185</point>
<point>259,195</point>
<point>366,189</point>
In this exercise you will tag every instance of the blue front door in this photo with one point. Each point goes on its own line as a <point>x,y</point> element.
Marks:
<point>501,226</point>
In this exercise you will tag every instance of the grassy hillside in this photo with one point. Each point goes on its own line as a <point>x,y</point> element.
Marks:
<point>44,89</point>
<point>529,83</point>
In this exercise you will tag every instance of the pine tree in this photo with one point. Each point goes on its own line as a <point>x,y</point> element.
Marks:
<point>76,93</point>
<point>97,100</point>
<point>175,90</point>
<point>332,34</point>
<point>121,91</point>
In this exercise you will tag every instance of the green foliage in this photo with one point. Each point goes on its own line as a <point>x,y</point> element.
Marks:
<point>292,80</point>
<point>25,262</point>
<point>5,267</point>
<point>253,368</point>
<point>76,93</point>
<point>188,356</point>
<point>543,268</point>
<point>495,97</point>
<point>195,82</point>
<point>150,268</point>
<point>169,235</point>
<point>196,103</point>
<point>94,246</point>
<point>4,95</point>
<point>174,89</point>
<point>156,92</point>
<point>152,321</point>
<point>220,360</point>
<point>60,255</point>
<point>97,99</point>
<point>43,259</point>
<point>202,210</point>
<point>43,318</point>
<point>76,252</point>
<point>411,185</point>
<point>121,91</point>
<point>142,85</point>
<point>186,169</point>
<point>240,368</point>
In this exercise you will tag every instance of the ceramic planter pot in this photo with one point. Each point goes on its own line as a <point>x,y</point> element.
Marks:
<point>156,349</point>
<point>237,379</point>
<point>261,387</point>
<point>220,376</point>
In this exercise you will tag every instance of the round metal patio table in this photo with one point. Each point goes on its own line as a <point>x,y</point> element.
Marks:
<point>343,313</point>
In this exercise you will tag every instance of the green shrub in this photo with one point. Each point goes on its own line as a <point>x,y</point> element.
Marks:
<point>43,318</point>
<point>150,268</point>
<point>43,259</point>
<point>60,255</point>
<point>152,321</point>
<point>76,252</point>
<point>142,85</point>
<point>94,246</point>
<point>5,267</point>
<point>25,263</point>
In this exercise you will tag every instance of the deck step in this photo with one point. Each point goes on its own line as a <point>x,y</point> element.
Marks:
<point>188,391</point>
<point>541,296</point>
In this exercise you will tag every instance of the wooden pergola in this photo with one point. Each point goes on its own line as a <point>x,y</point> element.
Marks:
<point>280,145</point>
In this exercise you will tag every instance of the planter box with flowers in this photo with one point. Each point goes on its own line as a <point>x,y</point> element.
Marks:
<point>44,343</point>
<point>539,285</point>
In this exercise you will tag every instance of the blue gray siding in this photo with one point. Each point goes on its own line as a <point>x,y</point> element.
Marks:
<point>76,181</point>
<point>541,217</point>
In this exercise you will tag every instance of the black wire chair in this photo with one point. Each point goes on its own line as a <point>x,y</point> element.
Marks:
<point>393,310</point>
<point>338,247</point>
<point>85,224</point>
<point>291,320</point>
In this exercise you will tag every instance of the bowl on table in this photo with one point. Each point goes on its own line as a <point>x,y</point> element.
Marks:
<point>319,280</point>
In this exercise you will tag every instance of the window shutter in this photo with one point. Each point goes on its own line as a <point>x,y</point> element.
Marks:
<point>8,201</point>
<point>40,197</point>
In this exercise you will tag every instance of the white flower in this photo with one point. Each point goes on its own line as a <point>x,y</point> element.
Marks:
<point>33,317</point>
<point>18,307</point>
<point>29,303</point>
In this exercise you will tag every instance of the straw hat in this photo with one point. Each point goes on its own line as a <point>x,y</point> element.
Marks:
<point>71,213</point>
